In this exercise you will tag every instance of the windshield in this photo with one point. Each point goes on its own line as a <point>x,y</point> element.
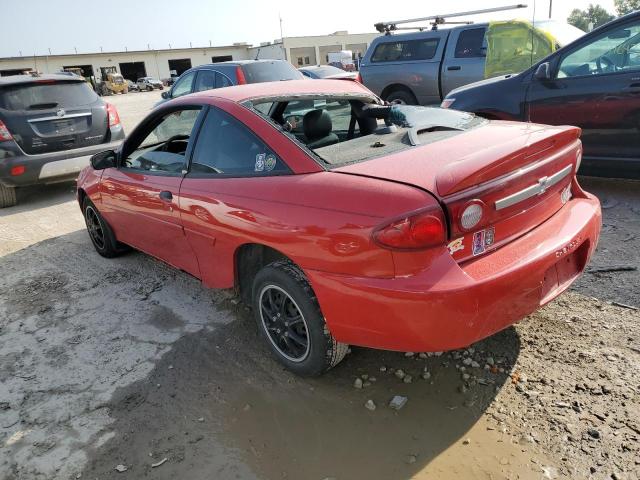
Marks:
<point>347,129</point>
<point>46,94</point>
<point>326,71</point>
<point>562,32</point>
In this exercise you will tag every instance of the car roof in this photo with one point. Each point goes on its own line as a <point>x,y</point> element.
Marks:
<point>17,79</point>
<point>240,93</point>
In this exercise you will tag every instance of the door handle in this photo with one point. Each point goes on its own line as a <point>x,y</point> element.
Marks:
<point>454,67</point>
<point>634,87</point>
<point>166,195</point>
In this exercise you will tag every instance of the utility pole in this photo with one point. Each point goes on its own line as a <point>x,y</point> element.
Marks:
<point>282,37</point>
<point>550,7</point>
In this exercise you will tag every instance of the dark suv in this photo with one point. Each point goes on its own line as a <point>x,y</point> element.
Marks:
<point>50,126</point>
<point>226,74</point>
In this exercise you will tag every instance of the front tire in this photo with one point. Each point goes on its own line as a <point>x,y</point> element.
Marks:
<point>100,233</point>
<point>289,319</point>
<point>402,97</point>
<point>8,197</point>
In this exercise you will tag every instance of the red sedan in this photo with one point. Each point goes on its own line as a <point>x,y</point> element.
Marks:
<point>342,220</point>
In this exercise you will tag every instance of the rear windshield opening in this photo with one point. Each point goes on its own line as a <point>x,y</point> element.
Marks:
<point>33,96</point>
<point>342,130</point>
<point>270,72</point>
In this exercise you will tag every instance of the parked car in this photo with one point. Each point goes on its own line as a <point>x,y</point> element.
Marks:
<point>326,71</point>
<point>132,86</point>
<point>225,74</point>
<point>149,83</point>
<point>50,125</point>
<point>407,228</point>
<point>593,83</point>
<point>422,67</point>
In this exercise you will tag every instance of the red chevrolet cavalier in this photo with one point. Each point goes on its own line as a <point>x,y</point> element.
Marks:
<point>343,220</point>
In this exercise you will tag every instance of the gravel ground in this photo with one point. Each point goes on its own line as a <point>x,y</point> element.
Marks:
<point>124,363</point>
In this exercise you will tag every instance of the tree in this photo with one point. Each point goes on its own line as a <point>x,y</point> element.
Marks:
<point>626,6</point>
<point>594,14</point>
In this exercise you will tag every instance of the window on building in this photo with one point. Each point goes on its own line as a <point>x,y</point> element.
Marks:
<point>471,43</point>
<point>306,61</point>
<point>299,60</point>
<point>406,51</point>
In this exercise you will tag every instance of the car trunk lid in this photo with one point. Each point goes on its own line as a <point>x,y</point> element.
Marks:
<point>49,116</point>
<point>516,172</point>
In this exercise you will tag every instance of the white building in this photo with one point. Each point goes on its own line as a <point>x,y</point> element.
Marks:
<point>162,64</point>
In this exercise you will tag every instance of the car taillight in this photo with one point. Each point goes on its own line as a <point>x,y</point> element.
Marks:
<point>5,134</point>
<point>359,78</point>
<point>578,158</point>
<point>447,102</point>
<point>240,76</point>
<point>112,115</point>
<point>17,170</point>
<point>415,231</point>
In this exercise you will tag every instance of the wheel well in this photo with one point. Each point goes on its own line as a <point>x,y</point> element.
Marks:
<point>250,258</point>
<point>394,88</point>
<point>81,196</point>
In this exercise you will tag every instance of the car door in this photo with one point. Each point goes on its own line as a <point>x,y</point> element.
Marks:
<point>596,86</point>
<point>141,198</point>
<point>464,58</point>
<point>228,162</point>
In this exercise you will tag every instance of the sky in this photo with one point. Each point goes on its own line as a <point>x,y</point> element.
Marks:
<point>65,26</point>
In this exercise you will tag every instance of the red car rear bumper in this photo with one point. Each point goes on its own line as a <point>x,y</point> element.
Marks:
<point>451,305</point>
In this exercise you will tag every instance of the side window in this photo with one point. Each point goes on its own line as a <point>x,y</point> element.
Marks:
<point>206,80</point>
<point>613,51</point>
<point>183,86</point>
<point>471,43</point>
<point>405,51</point>
<point>163,149</point>
<point>222,81</point>
<point>226,146</point>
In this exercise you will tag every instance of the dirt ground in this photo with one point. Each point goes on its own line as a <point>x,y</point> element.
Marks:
<point>124,363</point>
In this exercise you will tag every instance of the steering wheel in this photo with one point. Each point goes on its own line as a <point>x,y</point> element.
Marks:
<point>609,67</point>
<point>172,139</point>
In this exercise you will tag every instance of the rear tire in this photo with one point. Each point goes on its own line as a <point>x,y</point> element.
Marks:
<point>8,197</point>
<point>289,319</point>
<point>100,233</point>
<point>402,97</point>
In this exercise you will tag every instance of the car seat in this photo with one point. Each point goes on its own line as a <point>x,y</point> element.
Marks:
<point>317,128</point>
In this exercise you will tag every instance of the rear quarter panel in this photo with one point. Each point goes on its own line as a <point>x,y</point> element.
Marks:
<point>322,221</point>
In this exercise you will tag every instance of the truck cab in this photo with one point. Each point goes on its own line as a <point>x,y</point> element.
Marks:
<point>422,67</point>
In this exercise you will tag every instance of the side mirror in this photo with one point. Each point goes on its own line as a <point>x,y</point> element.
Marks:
<point>543,72</point>
<point>165,95</point>
<point>103,160</point>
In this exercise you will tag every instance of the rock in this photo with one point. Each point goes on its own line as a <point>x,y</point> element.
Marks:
<point>407,379</point>
<point>466,441</point>
<point>524,439</point>
<point>437,354</point>
<point>364,376</point>
<point>399,373</point>
<point>549,472</point>
<point>409,354</point>
<point>357,383</point>
<point>201,419</point>
<point>426,375</point>
<point>466,376</point>
<point>467,361</point>
<point>383,368</point>
<point>523,378</point>
<point>372,379</point>
<point>121,468</point>
<point>422,355</point>
<point>366,384</point>
<point>593,433</point>
<point>370,405</point>
<point>490,361</point>
<point>411,459</point>
<point>475,364</point>
<point>398,402</point>
<point>471,350</point>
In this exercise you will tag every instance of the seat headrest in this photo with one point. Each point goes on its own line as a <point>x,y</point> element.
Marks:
<point>316,124</point>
